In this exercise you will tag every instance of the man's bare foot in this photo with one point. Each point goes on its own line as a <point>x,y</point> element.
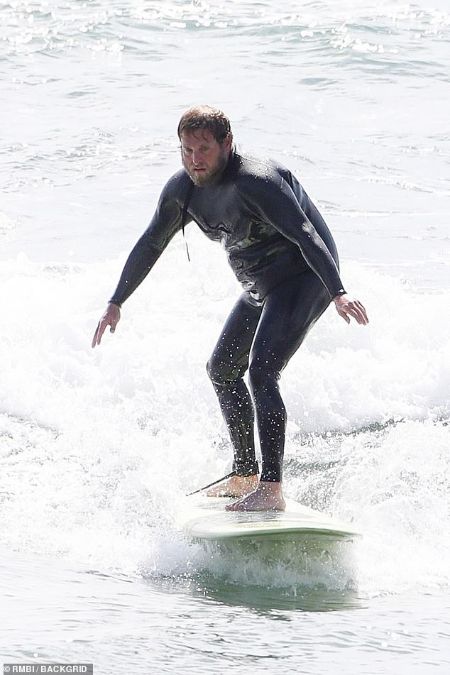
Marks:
<point>235,486</point>
<point>266,497</point>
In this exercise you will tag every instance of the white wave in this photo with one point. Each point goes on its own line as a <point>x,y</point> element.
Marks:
<point>100,445</point>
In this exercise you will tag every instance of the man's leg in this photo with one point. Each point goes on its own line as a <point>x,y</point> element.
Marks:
<point>226,368</point>
<point>290,310</point>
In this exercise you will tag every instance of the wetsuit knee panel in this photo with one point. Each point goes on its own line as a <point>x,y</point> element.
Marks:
<point>221,372</point>
<point>262,374</point>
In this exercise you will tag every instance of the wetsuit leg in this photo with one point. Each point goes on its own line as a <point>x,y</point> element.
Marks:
<point>226,368</point>
<point>289,312</point>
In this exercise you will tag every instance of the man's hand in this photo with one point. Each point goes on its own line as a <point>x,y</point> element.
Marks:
<point>347,308</point>
<point>111,318</point>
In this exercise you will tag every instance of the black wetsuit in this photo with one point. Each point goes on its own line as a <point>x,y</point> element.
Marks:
<point>283,254</point>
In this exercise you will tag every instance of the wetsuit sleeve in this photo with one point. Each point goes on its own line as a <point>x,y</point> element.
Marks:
<point>163,226</point>
<point>275,202</point>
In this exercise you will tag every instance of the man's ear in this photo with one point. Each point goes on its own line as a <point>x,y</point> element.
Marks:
<point>228,141</point>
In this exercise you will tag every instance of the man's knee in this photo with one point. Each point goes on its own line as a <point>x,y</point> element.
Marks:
<point>220,372</point>
<point>262,376</point>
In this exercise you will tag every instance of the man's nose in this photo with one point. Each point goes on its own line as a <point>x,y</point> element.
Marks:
<point>196,156</point>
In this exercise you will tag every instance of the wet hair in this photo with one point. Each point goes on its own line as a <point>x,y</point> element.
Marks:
<point>205,117</point>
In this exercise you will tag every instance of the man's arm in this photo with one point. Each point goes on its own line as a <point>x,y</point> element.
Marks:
<point>345,306</point>
<point>275,201</point>
<point>272,199</point>
<point>163,226</point>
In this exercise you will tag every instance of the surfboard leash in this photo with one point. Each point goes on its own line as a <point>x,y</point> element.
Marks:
<point>205,487</point>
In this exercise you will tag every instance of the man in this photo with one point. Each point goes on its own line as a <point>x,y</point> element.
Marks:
<point>281,251</point>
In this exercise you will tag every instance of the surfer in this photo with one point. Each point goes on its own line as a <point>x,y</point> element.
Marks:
<point>284,256</point>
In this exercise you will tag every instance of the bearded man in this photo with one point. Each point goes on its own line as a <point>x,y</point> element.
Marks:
<point>284,256</point>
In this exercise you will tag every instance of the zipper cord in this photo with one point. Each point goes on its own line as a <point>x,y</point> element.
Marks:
<point>184,214</point>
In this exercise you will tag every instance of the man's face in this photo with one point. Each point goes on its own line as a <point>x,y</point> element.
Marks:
<point>203,157</point>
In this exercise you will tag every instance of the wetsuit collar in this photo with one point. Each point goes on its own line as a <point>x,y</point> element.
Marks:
<point>229,166</point>
<point>227,169</point>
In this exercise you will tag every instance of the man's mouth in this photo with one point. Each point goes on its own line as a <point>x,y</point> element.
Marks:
<point>200,174</point>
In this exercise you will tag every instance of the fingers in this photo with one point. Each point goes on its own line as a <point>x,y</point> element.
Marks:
<point>363,318</point>
<point>110,318</point>
<point>98,333</point>
<point>342,313</point>
<point>359,313</point>
<point>356,310</point>
<point>94,339</point>
<point>352,309</point>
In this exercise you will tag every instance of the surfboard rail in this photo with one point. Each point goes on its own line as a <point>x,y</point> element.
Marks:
<point>205,518</point>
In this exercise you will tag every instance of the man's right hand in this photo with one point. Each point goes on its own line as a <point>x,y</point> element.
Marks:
<point>111,318</point>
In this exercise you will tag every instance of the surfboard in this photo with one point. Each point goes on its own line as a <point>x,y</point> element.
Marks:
<point>205,518</point>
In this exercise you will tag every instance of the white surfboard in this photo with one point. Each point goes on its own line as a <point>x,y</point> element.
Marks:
<point>205,518</point>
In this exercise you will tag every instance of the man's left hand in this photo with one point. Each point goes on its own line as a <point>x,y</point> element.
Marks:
<point>347,308</point>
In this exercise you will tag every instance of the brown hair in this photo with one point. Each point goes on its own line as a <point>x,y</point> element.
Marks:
<point>205,117</point>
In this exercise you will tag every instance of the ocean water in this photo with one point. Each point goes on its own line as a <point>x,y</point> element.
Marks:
<point>98,447</point>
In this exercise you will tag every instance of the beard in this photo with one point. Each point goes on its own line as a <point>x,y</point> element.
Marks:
<point>210,175</point>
